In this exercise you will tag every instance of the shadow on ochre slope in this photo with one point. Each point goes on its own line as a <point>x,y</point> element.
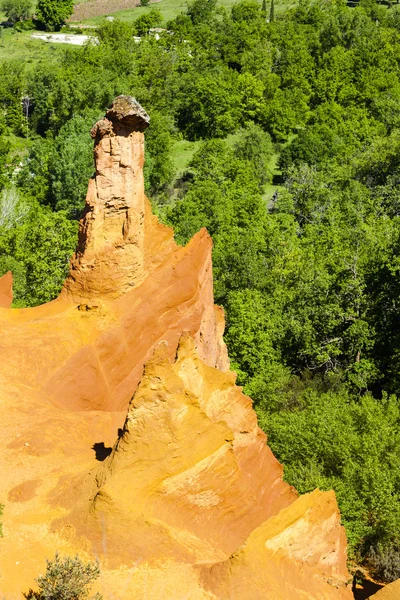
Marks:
<point>366,589</point>
<point>101,451</point>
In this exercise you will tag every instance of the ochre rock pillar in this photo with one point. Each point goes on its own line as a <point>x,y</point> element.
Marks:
<point>110,257</point>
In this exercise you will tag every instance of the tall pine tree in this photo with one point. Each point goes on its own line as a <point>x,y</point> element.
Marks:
<point>272,12</point>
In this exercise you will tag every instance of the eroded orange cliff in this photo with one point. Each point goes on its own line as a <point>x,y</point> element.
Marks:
<point>162,473</point>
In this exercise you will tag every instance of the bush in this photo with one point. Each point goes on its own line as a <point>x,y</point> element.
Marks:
<point>385,563</point>
<point>17,10</point>
<point>52,14</point>
<point>150,19</point>
<point>66,579</point>
<point>27,25</point>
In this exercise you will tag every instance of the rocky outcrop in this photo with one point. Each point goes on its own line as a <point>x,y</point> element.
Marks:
<point>192,492</point>
<point>299,553</point>
<point>211,473</point>
<point>164,474</point>
<point>112,255</point>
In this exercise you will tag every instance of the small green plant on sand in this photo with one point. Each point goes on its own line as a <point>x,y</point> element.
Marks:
<point>66,579</point>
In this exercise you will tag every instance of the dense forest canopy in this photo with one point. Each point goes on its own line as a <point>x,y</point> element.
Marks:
<point>296,175</point>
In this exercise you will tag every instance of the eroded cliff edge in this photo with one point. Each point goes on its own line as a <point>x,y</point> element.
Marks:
<point>190,502</point>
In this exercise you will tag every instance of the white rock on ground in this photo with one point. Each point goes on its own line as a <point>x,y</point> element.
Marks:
<point>63,38</point>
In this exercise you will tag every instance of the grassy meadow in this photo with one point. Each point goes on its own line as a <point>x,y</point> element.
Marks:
<point>20,46</point>
<point>169,10</point>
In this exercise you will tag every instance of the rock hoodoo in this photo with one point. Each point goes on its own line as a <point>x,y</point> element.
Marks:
<point>112,256</point>
<point>189,501</point>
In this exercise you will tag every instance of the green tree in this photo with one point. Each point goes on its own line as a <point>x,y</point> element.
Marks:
<point>4,166</point>
<point>255,146</point>
<point>52,14</point>
<point>36,244</point>
<point>251,92</point>
<point>12,83</point>
<point>159,168</point>
<point>272,12</point>
<point>17,10</point>
<point>153,18</point>
<point>66,579</point>
<point>200,11</point>
<point>354,452</point>
<point>71,164</point>
<point>210,105</point>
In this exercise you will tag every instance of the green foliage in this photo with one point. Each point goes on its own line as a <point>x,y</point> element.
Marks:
<point>27,25</point>
<point>200,11</point>
<point>52,14</point>
<point>333,440</point>
<point>151,19</point>
<point>66,579</point>
<point>36,244</point>
<point>255,146</point>
<point>112,33</point>
<point>71,164</point>
<point>17,10</point>
<point>12,81</point>
<point>209,108</point>
<point>272,12</point>
<point>159,167</point>
<point>56,172</point>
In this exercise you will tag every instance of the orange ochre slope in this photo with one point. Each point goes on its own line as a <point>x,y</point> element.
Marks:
<point>123,434</point>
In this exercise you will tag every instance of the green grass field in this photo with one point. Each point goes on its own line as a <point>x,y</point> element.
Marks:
<point>182,154</point>
<point>19,46</point>
<point>170,9</point>
<point>183,151</point>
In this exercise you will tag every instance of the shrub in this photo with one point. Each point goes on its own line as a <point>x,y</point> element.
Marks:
<point>52,14</point>
<point>150,19</point>
<point>385,563</point>
<point>17,10</point>
<point>27,25</point>
<point>66,579</point>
